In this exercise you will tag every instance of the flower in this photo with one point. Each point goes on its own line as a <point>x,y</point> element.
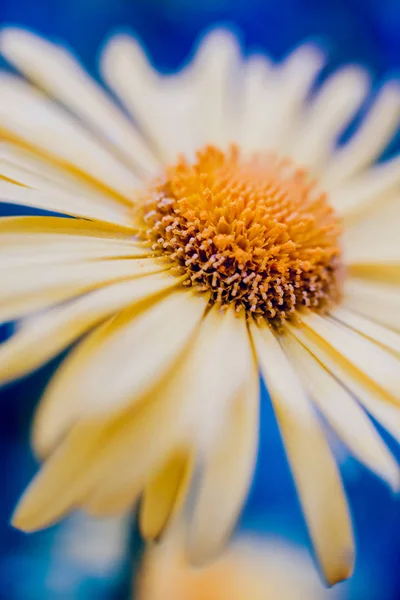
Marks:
<point>217,229</point>
<point>251,568</point>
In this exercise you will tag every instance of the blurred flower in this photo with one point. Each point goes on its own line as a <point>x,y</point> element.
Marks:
<point>250,569</point>
<point>189,272</point>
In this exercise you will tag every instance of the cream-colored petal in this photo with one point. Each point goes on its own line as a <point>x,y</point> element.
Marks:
<point>26,229</point>
<point>376,365</point>
<point>46,335</point>
<point>315,473</point>
<point>165,493</point>
<point>201,389</point>
<point>52,68</point>
<point>178,113</point>
<point>66,183</point>
<point>327,116</point>
<point>368,191</point>
<point>31,288</point>
<point>31,119</point>
<point>371,138</point>
<point>227,475</point>
<point>114,366</point>
<point>377,301</point>
<point>377,333</point>
<point>386,414</point>
<point>65,203</point>
<point>344,414</point>
<point>137,439</point>
<point>43,174</point>
<point>277,114</point>
<point>375,238</point>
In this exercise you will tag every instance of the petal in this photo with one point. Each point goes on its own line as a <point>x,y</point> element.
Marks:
<point>31,288</point>
<point>21,229</point>
<point>377,333</point>
<point>344,414</point>
<point>32,120</point>
<point>377,301</point>
<point>55,70</point>
<point>317,479</point>
<point>374,239</point>
<point>66,203</point>
<point>371,138</point>
<point>164,494</point>
<point>198,97</point>
<point>201,389</point>
<point>279,108</point>
<point>367,191</point>
<point>376,366</point>
<point>48,334</point>
<point>327,116</point>
<point>386,414</point>
<point>227,476</point>
<point>117,364</point>
<point>135,441</point>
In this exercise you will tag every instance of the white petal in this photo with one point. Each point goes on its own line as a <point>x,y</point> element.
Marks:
<point>30,288</point>
<point>117,364</point>
<point>178,113</point>
<point>344,414</point>
<point>46,335</point>
<point>327,115</point>
<point>381,368</point>
<point>65,203</point>
<point>279,109</point>
<point>368,191</point>
<point>31,119</point>
<point>134,442</point>
<point>377,301</point>
<point>378,127</point>
<point>386,414</point>
<point>165,493</point>
<point>377,333</point>
<point>55,70</point>
<point>227,476</point>
<point>315,473</point>
<point>200,389</point>
<point>375,238</point>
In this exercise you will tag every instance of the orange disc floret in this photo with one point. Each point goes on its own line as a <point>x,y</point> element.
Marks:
<point>255,232</point>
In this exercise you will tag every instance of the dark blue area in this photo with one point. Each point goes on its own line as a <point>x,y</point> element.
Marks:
<point>361,31</point>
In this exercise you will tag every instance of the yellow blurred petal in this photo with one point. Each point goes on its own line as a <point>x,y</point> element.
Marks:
<point>373,331</point>
<point>315,473</point>
<point>55,70</point>
<point>327,115</point>
<point>227,476</point>
<point>370,139</point>
<point>66,203</point>
<point>48,334</point>
<point>30,119</point>
<point>193,402</point>
<point>344,414</point>
<point>385,413</point>
<point>377,301</point>
<point>367,191</point>
<point>165,493</point>
<point>36,287</point>
<point>374,363</point>
<point>21,229</point>
<point>114,366</point>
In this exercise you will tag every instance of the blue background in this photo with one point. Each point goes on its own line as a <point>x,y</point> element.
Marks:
<point>363,31</point>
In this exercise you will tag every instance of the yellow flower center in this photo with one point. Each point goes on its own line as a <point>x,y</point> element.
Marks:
<point>255,232</point>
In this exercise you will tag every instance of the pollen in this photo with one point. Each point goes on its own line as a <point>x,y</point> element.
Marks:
<point>254,232</point>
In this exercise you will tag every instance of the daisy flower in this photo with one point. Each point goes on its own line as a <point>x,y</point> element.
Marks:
<point>217,229</point>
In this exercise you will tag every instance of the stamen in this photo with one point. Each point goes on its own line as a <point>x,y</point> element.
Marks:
<point>254,232</point>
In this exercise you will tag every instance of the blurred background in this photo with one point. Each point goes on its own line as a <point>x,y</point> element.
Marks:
<point>84,558</point>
